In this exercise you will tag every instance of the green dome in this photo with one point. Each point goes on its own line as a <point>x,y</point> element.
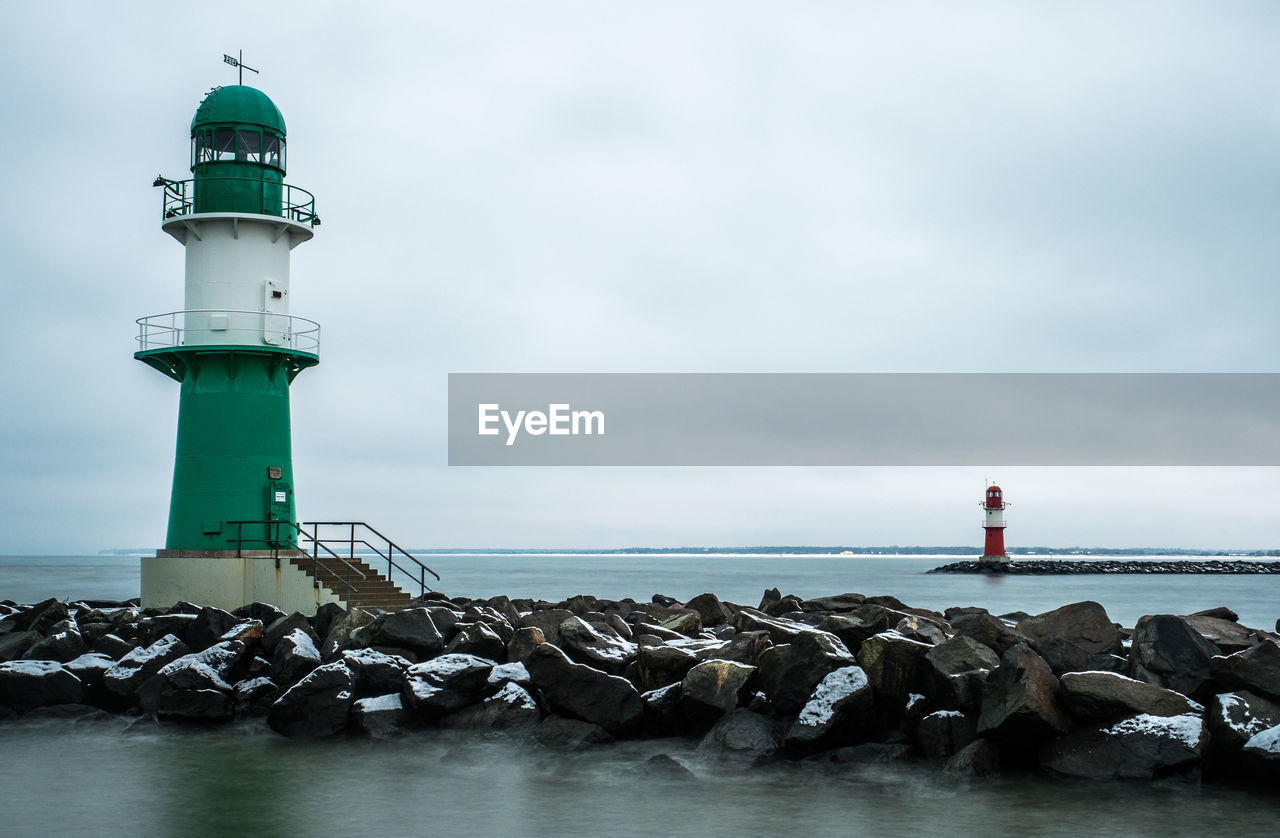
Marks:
<point>237,104</point>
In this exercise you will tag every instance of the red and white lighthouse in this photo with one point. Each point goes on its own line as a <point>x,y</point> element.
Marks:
<point>993,507</point>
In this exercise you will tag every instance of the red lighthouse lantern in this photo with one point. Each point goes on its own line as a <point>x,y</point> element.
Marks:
<point>993,507</point>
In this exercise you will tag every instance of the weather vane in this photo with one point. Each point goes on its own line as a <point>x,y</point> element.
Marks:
<point>238,63</point>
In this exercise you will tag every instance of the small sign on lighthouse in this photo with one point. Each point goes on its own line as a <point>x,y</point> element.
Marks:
<point>993,506</point>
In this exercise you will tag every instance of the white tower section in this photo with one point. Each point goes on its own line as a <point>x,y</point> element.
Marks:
<point>237,278</point>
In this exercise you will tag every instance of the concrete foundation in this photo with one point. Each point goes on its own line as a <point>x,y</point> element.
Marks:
<point>225,580</point>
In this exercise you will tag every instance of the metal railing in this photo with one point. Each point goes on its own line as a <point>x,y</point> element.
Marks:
<point>276,199</point>
<point>389,549</point>
<point>386,549</point>
<point>273,541</point>
<point>220,327</point>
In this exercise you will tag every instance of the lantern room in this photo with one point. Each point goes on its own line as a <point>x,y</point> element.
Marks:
<point>238,152</point>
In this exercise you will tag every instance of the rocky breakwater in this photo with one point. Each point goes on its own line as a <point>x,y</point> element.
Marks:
<point>847,679</point>
<point>1055,566</point>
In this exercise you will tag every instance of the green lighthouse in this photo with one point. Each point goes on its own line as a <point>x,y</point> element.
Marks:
<point>234,349</point>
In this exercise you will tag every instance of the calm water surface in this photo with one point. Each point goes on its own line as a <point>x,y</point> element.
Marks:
<point>103,777</point>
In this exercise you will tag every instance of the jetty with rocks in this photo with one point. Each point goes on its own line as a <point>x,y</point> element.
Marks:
<point>1052,566</point>
<point>845,679</point>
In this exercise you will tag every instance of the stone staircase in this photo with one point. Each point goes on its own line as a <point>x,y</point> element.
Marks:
<point>373,591</point>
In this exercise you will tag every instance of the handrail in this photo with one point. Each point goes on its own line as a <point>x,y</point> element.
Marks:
<point>277,199</point>
<point>389,556</point>
<point>297,333</point>
<point>274,542</point>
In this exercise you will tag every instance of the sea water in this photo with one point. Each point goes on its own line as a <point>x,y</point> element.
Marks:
<point>119,776</point>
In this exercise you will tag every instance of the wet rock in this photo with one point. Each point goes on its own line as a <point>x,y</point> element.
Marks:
<point>1107,696</point>
<point>587,693</point>
<point>248,632</point>
<point>853,629</point>
<point>917,628</point>
<point>26,685</point>
<point>207,628</point>
<point>91,668</point>
<point>295,656</point>
<point>988,630</point>
<point>659,666</point>
<point>1222,612</point>
<point>742,647</point>
<point>412,628</point>
<point>510,707</point>
<point>380,716</point>
<point>713,687</point>
<point>43,616</point>
<point>151,629</point>
<point>689,624</point>
<point>129,673</point>
<point>1021,701</point>
<point>523,642</point>
<point>837,713</point>
<point>253,697</point>
<point>780,631</point>
<point>1265,746</point>
<point>341,633</point>
<point>711,611</point>
<point>16,643</point>
<point>833,604</point>
<point>1256,669</point>
<point>955,671</point>
<point>585,645</point>
<point>374,673</point>
<point>480,640</point>
<point>1227,635</point>
<point>1236,717</point>
<point>977,761</point>
<point>62,644</point>
<point>1168,652</point>
<point>562,734</point>
<point>895,667</point>
<point>662,712</point>
<point>789,673</point>
<point>283,627</point>
<point>316,706</point>
<point>445,685</point>
<point>943,733</point>
<point>548,622</point>
<point>113,647</point>
<point>325,617</point>
<point>742,735</point>
<point>263,612</point>
<point>1140,747</point>
<point>1068,635</point>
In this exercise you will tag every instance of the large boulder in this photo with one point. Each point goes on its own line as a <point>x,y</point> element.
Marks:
<point>129,673</point>
<point>711,611</point>
<point>1236,717</point>
<point>412,628</point>
<point>91,668</point>
<point>479,639</point>
<point>282,627</point>
<point>854,629</point>
<point>380,716</point>
<point>742,735</point>
<point>977,761</point>
<point>445,684</point>
<point>523,641</point>
<point>586,693</point>
<point>944,733</point>
<point>955,671</point>
<point>1066,637</point>
<point>837,713</point>
<point>1226,634</point>
<point>63,643</point>
<point>294,657</point>
<point>208,627</point>
<point>788,673</point>
<point>1021,701</point>
<point>512,706</point>
<point>1168,652</point>
<point>1108,696</point>
<point>896,669</point>
<point>318,705</point>
<point>1265,746</point>
<point>1256,669</point>
<point>254,697</point>
<point>547,621</point>
<point>988,630</point>
<point>1140,747</point>
<point>341,636</point>
<point>195,687</point>
<point>374,673</point>
<point>780,631</point>
<point>714,687</point>
<point>658,666</point>
<point>26,685</point>
<point>584,644</point>
<point>744,647</point>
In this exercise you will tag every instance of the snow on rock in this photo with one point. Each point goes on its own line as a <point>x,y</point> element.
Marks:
<point>515,695</point>
<point>1265,744</point>
<point>507,673</point>
<point>1186,729</point>
<point>835,687</point>
<point>391,701</point>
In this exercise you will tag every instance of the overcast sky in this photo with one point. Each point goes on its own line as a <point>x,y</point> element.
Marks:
<point>657,187</point>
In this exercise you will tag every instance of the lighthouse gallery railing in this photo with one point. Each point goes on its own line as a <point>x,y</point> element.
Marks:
<point>220,327</point>
<point>282,200</point>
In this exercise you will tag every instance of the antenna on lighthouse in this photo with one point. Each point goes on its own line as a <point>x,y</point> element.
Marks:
<point>238,63</point>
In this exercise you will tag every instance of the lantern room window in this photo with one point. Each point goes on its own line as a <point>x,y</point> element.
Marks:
<point>248,146</point>
<point>273,151</point>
